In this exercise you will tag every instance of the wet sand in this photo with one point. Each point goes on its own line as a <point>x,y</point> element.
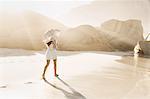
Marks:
<point>82,75</point>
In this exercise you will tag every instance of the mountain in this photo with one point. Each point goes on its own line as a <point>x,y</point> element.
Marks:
<point>25,29</point>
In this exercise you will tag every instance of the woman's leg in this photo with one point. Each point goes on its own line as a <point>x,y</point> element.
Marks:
<point>55,67</point>
<point>45,68</point>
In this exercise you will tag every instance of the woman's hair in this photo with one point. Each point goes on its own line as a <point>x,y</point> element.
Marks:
<point>49,43</point>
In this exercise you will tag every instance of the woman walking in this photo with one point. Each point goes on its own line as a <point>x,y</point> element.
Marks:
<point>50,55</point>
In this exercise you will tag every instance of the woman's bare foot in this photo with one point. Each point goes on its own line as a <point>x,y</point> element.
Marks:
<point>56,75</point>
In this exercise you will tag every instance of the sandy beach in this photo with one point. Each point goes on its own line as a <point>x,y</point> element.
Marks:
<point>82,75</point>
<point>95,42</point>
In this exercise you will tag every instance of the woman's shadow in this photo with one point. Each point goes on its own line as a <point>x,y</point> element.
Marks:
<point>69,95</point>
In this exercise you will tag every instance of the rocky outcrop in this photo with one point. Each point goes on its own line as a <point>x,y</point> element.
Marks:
<point>111,36</point>
<point>84,37</point>
<point>145,47</point>
<point>123,35</point>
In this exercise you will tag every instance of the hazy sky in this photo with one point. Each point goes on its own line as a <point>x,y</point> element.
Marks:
<point>52,8</point>
<point>58,9</point>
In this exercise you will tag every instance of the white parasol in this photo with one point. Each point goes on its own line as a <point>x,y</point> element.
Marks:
<point>50,35</point>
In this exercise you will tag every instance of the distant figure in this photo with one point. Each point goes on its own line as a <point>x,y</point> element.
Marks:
<point>50,55</point>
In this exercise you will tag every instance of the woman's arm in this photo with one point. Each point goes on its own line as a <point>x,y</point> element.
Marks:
<point>46,45</point>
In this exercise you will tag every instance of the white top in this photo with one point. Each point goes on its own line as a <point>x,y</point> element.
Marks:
<point>51,52</point>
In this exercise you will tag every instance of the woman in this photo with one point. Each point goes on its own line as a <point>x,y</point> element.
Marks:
<point>50,55</point>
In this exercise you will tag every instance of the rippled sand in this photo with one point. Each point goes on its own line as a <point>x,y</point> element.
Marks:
<point>82,75</point>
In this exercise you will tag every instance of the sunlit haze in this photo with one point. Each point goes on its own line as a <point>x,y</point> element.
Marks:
<point>52,8</point>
